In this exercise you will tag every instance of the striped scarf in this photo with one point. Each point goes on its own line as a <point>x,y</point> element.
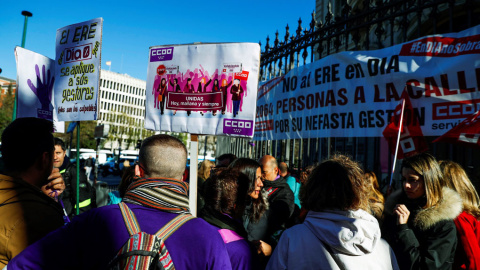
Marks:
<point>165,194</point>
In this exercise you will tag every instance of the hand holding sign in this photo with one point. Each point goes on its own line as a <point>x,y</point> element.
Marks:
<point>44,88</point>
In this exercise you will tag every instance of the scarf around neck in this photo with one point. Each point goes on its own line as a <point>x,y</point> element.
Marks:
<point>168,195</point>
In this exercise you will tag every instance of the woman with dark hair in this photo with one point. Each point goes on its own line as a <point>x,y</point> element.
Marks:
<point>225,193</point>
<point>257,204</point>
<point>419,217</point>
<point>215,88</point>
<point>338,232</point>
<point>175,88</point>
<point>467,255</point>
<point>254,217</point>
<point>161,92</point>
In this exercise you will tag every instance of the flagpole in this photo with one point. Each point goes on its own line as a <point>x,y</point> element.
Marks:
<point>398,142</point>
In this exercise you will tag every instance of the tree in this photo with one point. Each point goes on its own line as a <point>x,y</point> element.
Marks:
<point>87,135</point>
<point>7,101</point>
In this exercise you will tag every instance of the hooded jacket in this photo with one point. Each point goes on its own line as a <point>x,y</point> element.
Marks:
<point>334,240</point>
<point>429,238</point>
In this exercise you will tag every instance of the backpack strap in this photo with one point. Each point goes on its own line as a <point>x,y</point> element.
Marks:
<point>130,220</point>
<point>173,225</point>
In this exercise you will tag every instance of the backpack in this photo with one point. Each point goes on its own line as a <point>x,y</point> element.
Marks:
<point>143,250</point>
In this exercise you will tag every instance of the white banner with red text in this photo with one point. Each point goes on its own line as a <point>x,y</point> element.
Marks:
<point>354,93</point>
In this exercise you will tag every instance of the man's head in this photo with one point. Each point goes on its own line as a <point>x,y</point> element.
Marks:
<point>225,160</point>
<point>161,156</point>
<point>269,167</point>
<point>27,146</point>
<point>283,167</point>
<point>59,154</point>
<point>236,82</point>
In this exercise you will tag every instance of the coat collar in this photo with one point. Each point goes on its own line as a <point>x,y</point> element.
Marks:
<point>448,208</point>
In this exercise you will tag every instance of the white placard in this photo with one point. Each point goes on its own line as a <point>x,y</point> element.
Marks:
<point>206,89</point>
<point>77,70</point>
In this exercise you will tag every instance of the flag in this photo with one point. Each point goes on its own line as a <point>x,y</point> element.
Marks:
<point>466,133</point>
<point>71,127</point>
<point>108,63</point>
<point>411,135</point>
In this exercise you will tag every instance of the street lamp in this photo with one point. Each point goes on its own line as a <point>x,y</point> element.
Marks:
<point>26,14</point>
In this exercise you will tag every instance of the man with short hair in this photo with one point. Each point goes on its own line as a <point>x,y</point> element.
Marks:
<point>87,198</point>
<point>281,204</point>
<point>157,196</point>
<point>291,181</point>
<point>26,212</point>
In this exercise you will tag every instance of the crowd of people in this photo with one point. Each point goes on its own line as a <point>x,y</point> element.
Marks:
<point>251,214</point>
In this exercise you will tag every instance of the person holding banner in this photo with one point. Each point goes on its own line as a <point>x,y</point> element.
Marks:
<point>175,88</point>
<point>467,255</point>
<point>189,89</point>
<point>419,218</point>
<point>215,88</point>
<point>224,92</point>
<point>236,92</point>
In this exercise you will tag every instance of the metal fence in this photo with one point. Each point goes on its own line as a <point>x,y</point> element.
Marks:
<point>360,25</point>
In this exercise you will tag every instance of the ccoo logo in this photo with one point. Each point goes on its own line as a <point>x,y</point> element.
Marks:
<point>238,127</point>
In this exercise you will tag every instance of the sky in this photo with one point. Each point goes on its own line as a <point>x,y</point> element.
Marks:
<point>131,27</point>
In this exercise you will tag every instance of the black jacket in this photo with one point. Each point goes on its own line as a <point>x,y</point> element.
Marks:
<point>429,238</point>
<point>273,222</point>
<point>69,196</point>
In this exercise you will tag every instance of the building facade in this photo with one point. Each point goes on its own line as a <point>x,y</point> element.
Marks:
<point>7,85</point>
<point>122,107</point>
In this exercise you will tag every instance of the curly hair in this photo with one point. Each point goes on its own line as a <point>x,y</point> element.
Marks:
<point>337,183</point>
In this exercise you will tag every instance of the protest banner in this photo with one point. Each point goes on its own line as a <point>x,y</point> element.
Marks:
<point>466,133</point>
<point>77,70</point>
<point>354,93</point>
<point>35,81</point>
<point>207,89</point>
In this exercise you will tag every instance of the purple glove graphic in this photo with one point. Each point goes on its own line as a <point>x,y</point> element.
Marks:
<point>44,88</point>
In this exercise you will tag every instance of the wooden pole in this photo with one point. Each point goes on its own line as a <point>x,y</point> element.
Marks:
<point>193,173</point>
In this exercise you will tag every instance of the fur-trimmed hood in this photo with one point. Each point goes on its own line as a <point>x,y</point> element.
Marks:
<point>448,208</point>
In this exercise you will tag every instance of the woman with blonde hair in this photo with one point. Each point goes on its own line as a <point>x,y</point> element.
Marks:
<point>376,199</point>
<point>467,255</point>
<point>203,174</point>
<point>419,217</point>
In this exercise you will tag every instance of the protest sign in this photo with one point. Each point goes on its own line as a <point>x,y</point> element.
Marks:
<point>35,81</point>
<point>77,70</point>
<point>466,133</point>
<point>205,89</point>
<point>354,93</point>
